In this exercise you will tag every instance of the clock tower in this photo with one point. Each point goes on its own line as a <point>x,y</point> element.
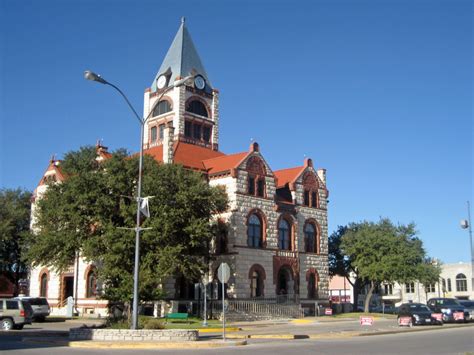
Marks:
<point>188,113</point>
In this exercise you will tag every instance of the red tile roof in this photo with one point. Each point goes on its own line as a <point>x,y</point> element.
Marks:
<point>285,176</point>
<point>189,155</point>
<point>224,163</point>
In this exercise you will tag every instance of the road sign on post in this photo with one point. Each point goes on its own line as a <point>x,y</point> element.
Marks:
<point>223,274</point>
<point>205,282</point>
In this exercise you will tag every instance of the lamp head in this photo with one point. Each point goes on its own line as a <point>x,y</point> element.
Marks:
<point>89,75</point>
<point>464,224</point>
<point>181,82</point>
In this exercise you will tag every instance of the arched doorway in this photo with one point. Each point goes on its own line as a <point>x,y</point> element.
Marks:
<point>285,281</point>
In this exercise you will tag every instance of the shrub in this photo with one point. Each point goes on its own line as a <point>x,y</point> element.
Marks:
<point>154,324</point>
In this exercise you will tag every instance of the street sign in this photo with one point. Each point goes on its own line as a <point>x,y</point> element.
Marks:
<point>405,321</point>
<point>223,273</point>
<point>458,315</point>
<point>366,320</point>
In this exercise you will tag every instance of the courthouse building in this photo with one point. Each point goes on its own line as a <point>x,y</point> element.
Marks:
<point>276,235</point>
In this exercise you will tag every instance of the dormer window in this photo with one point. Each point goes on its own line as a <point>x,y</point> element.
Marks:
<point>256,177</point>
<point>310,194</point>
<point>163,107</point>
<point>198,108</point>
<point>261,187</point>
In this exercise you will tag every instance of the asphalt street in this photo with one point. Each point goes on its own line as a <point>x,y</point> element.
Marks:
<point>443,341</point>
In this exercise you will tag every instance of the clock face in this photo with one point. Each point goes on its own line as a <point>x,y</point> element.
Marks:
<point>199,82</point>
<point>161,82</point>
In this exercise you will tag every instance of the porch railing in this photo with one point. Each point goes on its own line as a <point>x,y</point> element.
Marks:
<point>259,308</point>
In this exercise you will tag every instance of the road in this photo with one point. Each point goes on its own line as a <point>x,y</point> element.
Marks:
<point>441,341</point>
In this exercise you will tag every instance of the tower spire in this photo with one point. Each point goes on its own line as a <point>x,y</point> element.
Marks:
<point>181,60</point>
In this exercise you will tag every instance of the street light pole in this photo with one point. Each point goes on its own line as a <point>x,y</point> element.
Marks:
<point>89,75</point>
<point>466,224</point>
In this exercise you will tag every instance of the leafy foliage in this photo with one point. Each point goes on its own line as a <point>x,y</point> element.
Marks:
<point>93,212</point>
<point>380,252</point>
<point>14,227</point>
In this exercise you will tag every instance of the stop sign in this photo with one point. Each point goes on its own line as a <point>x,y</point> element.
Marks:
<point>223,273</point>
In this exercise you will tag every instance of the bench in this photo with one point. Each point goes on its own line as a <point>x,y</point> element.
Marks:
<point>178,316</point>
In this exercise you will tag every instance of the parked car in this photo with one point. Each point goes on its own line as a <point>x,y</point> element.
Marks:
<point>14,314</point>
<point>448,307</point>
<point>418,312</point>
<point>40,307</point>
<point>469,306</point>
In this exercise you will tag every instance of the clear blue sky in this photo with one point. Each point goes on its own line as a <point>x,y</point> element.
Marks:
<point>377,92</point>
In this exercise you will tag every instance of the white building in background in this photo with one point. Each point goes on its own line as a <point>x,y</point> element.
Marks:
<point>455,282</point>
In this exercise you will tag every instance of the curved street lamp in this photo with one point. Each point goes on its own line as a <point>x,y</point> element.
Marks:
<point>89,75</point>
<point>466,224</point>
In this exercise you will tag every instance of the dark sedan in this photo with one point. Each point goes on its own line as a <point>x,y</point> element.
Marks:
<point>451,309</point>
<point>415,313</point>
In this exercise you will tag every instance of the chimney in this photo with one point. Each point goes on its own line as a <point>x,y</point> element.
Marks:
<point>168,141</point>
<point>322,175</point>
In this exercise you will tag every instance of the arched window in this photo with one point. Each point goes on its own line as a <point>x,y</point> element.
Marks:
<point>284,235</point>
<point>256,284</point>
<point>91,284</point>
<point>221,239</point>
<point>461,282</point>
<point>310,238</point>
<point>44,285</point>
<point>312,286</point>
<point>162,107</point>
<point>198,108</point>
<point>254,231</point>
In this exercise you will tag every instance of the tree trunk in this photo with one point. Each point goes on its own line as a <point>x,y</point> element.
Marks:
<point>356,286</point>
<point>369,296</point>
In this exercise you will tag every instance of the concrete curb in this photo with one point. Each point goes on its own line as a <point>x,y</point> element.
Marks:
<point>414,330</point>
<point>217,330</point>
<point>36,333</point>
<point>342,335</point>
<point>138,345</point>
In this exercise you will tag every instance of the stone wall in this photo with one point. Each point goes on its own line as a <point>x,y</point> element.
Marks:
<point>133,335</point>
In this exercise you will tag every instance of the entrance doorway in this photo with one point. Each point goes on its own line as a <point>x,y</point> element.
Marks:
<point>285,284</point>
<point>67,289</point>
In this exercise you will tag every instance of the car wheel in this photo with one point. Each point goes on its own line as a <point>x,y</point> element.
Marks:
<point>6,324</point>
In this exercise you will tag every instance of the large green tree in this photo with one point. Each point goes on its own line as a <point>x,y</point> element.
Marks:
<point>341,264</point>
<point>14,227</point>
<point>383,252</point>
<point>93,209</point>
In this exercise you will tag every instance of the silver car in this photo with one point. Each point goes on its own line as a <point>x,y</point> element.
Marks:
<point>14,314</point>
<point>40,307</point>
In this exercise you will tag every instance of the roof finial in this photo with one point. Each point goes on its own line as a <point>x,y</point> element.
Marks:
<point>183,20</point>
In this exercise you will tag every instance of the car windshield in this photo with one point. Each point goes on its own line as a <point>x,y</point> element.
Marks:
<point>448,302</point>
<point>419,307</point>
